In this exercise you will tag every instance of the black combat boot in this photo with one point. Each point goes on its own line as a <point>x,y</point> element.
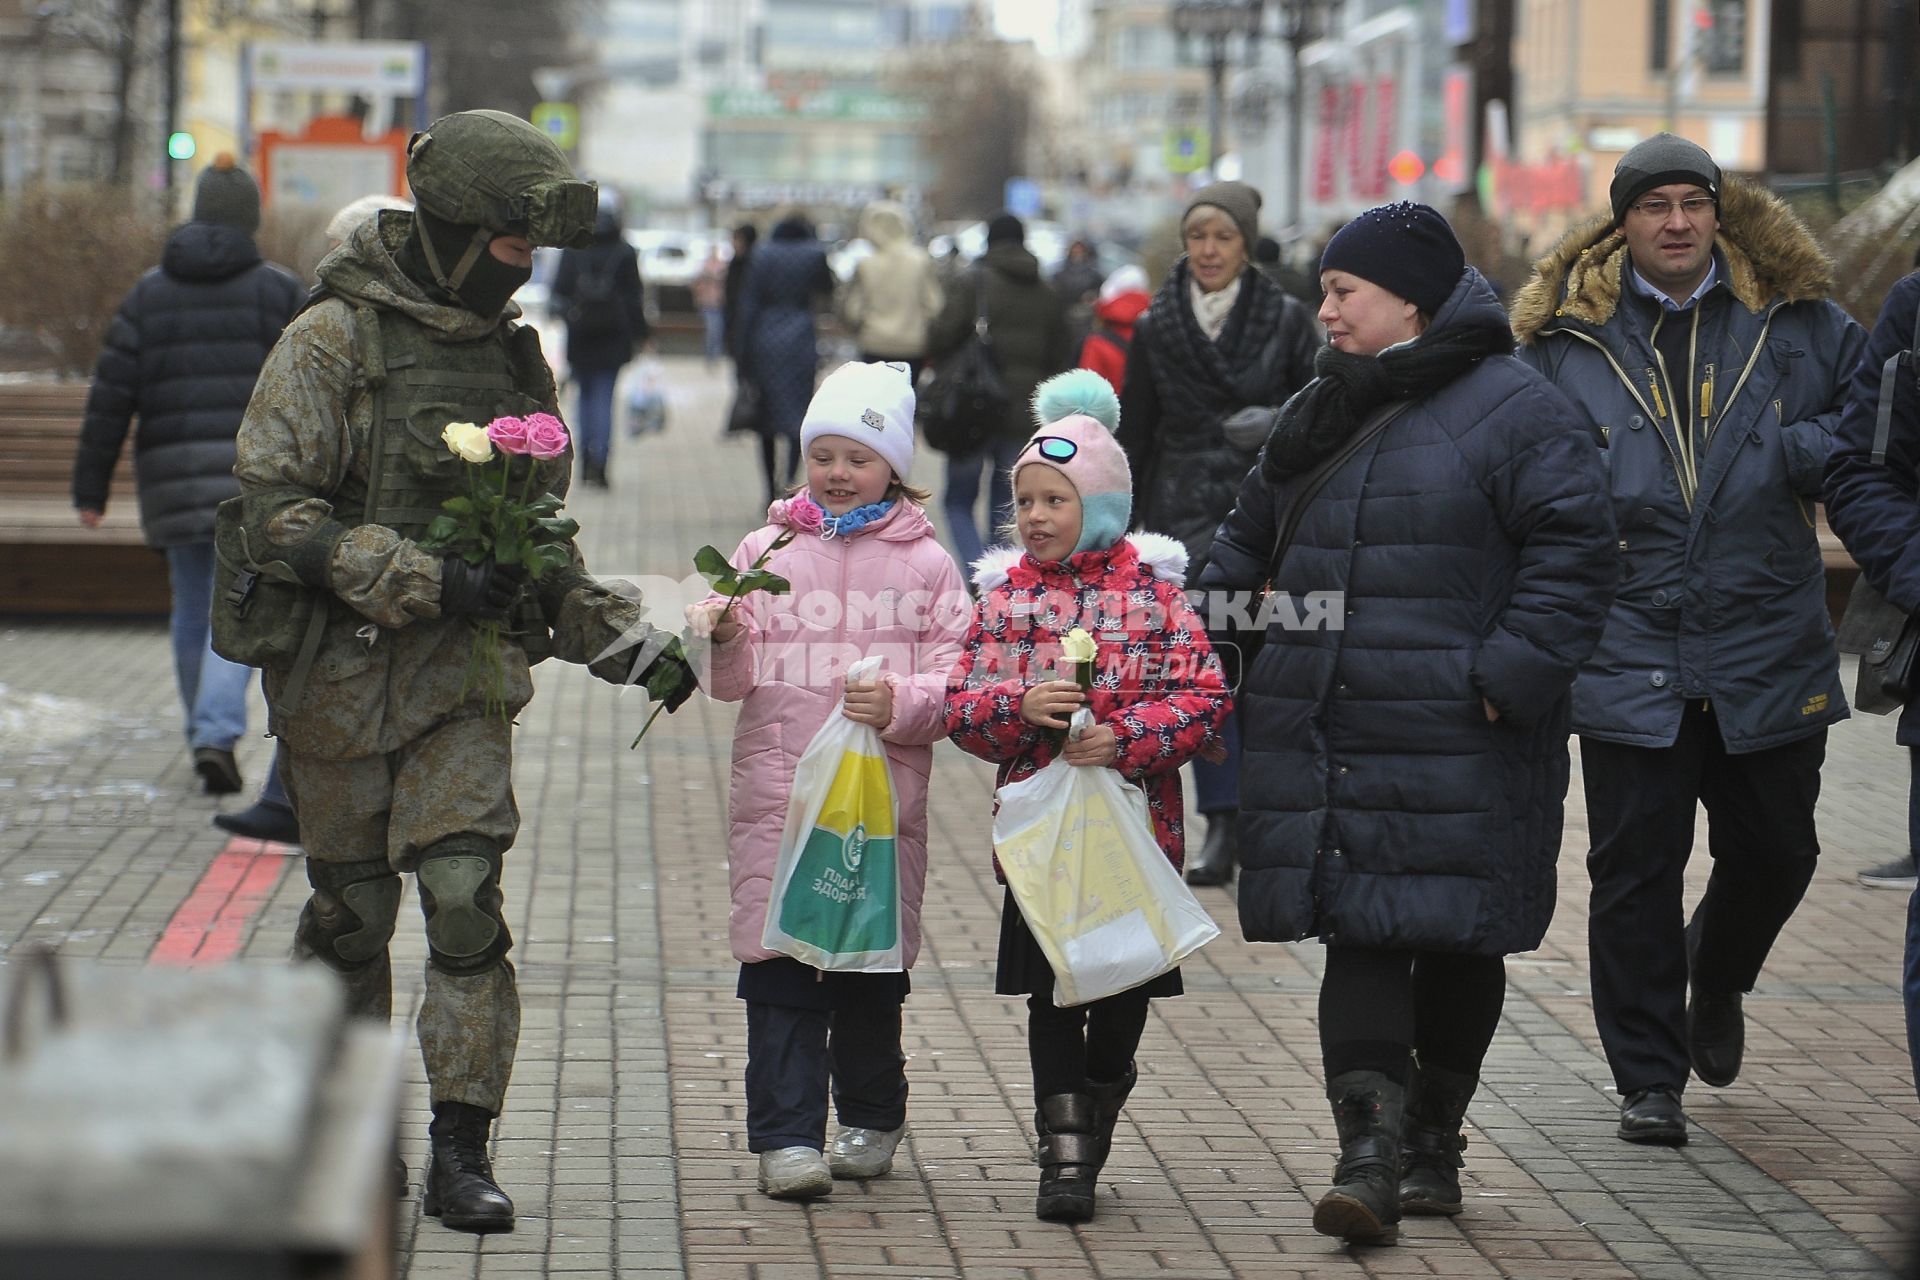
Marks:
<point>1431,1142</point>
<point>460,1190</point>
<point>1364,1205</point>
<point>1069,1157</point>
<point>1218,852</point>
<point>1109,1096</point>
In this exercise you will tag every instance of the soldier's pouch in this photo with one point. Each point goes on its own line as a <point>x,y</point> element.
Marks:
<point>262,613</point>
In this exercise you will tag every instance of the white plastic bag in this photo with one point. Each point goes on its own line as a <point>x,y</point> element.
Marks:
<point>646,397</point>
<point>1098,894</point>
<point>836,884</point>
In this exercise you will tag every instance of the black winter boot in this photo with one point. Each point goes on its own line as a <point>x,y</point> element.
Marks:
<point>1109,1097</point>
<point>1364,1205</point>
<point>1069,1157</point>
<point>460,1190</point>
<point>1218,852</point>
<point>1431,1142</point>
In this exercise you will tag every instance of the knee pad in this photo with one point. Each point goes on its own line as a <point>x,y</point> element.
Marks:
<point>460,895</point>
<point>349,918</point>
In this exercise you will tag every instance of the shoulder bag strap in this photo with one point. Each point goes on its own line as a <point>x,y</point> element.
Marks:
<point>1318,477</point>
<point>1889,379</point>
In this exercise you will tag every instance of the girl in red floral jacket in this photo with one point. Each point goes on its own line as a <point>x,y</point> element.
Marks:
<point>1157,699</point>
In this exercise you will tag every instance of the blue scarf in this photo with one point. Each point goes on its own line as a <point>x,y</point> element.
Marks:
<point>855,520</point>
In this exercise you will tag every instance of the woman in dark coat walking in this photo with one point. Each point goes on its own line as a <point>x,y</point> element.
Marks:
<point>776,347</point>
<point>596,290</point>
<point>1218,350</point>
<point>1407,764</point>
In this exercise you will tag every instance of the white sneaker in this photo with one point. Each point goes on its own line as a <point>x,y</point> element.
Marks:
<point>795,1173</point>
<point>863,1153</point>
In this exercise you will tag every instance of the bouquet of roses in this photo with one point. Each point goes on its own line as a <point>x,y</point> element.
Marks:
<point>500,520</point>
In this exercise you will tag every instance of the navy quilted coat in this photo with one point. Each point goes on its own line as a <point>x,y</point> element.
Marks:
<point>1469,550</point>
<point>182,355</point>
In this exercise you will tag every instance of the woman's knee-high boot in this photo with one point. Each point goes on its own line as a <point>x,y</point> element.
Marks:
<point>1431,1142</point>
<point>1364,1205</point>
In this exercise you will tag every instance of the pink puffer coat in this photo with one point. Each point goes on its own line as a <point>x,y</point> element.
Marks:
<point>890,589</point>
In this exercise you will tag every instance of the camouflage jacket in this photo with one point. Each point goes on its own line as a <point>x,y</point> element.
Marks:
<point>389,669</point>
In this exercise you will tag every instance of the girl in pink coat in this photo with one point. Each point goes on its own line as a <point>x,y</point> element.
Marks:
<point>1157,699</point>
<point>868,578</point>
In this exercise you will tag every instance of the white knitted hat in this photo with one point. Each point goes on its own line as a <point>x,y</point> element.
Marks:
<point>871,403</point>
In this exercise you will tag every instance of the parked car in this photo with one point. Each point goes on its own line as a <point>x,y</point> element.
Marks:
<point>669,260</point>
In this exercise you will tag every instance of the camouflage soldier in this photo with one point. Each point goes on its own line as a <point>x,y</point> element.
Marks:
<point>393,764</point>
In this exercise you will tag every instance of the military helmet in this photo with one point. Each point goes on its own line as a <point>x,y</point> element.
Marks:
<point>494,170</point>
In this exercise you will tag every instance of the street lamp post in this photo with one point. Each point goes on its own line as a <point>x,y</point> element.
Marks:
<point>1216,22</point>
<point>1301,23</point>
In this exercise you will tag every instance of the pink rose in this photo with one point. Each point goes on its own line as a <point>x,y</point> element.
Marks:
<point>509,435</point>
<point>799,512</point>
<point>546,435</point>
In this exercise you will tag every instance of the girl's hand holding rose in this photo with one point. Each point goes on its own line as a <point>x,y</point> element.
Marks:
<point>1051,703</point>
<point>703,622</point>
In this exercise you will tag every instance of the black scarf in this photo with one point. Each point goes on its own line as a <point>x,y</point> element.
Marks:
<point>1347,388</point>
<point>1206,375</point>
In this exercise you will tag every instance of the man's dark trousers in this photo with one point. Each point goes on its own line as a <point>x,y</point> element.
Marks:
<point>1640,810</point>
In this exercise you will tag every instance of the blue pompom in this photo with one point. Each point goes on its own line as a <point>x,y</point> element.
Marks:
<point>1077,391</point>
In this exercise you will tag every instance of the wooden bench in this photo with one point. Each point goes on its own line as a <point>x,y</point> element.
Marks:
<point>49,561</point>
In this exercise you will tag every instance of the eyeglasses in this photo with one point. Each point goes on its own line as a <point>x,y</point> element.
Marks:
<point>1692,206</point>
<point>1055,448</point>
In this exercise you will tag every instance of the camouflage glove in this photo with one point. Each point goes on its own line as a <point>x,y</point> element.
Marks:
<point>486,591</point>
<point>668,676</point>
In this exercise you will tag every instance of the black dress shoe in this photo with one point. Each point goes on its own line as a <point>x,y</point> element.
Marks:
<point>1218,852</point>
<point>262,820</point>
<point>1654,1116</point>
<point>1716,1036</point>
<point>219,771</point>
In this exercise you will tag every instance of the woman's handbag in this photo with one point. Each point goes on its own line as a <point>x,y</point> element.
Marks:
<point>1886,641</point>
<point>744,415</point>
<point>1885,638</point>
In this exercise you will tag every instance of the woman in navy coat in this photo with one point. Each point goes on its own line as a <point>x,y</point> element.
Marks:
<point>1404,718</point>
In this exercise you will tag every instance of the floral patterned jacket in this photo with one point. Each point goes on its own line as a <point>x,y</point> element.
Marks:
<point>1156,682</point>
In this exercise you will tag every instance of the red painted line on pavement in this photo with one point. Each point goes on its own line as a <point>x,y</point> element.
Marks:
<point>210,924</point>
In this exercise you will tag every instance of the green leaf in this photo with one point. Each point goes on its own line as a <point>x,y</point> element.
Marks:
<point>775,585</point>
<point>562,528</point>
<point>545,559</point>
<point>544,505</point>
<point>457,506</point>
<point>711,564</point>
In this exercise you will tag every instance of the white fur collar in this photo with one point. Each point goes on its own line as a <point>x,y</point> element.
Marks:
<point>1165,558</point>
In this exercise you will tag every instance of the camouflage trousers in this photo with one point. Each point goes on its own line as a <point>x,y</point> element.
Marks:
<point>453,782</point>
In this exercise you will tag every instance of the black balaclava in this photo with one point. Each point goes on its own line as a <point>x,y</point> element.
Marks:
<point>483,286</point>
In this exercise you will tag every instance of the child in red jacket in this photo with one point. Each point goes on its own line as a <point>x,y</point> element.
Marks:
<point>1157,699</point>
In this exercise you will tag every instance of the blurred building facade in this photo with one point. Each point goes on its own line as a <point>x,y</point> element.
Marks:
<point>699,108</point>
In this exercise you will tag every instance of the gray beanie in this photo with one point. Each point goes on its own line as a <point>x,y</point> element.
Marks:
<point>1664,158</point>
<point>1239,202</point>
<point>228,195</point>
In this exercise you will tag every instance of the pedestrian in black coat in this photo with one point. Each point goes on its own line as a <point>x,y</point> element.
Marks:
<point>597,291</point>
<point>181,358</point>
<point>1406,741</point>
<point>788,282</point>
<point>1220,348</point>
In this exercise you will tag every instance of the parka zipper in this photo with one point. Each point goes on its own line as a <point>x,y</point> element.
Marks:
<point>1656,419</point>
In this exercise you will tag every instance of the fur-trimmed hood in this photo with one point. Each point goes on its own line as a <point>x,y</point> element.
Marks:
<point>1764,250</point>
<point>1164,557</point>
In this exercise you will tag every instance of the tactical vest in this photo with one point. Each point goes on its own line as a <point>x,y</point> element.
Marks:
<point>263,615</point>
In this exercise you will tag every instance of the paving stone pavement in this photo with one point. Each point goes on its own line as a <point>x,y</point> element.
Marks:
<point>623,1141</point>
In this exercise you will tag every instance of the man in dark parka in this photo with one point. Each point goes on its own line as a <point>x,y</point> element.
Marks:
<point>1691,325</point>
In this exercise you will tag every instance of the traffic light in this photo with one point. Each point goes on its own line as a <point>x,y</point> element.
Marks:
<point>180,145</point>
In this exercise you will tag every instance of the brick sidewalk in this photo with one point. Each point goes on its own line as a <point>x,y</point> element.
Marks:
<point>623,1143</point>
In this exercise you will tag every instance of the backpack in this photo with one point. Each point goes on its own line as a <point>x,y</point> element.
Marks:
<point>594,310</point>
<point>968,402</point>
